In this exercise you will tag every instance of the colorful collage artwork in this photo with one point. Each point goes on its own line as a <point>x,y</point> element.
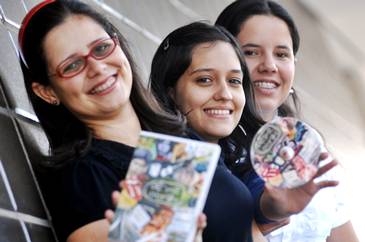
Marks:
<point>285,152</point>
<point>165,189</point>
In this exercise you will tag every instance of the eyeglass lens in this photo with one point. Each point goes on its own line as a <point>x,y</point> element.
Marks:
<point>74,65</point>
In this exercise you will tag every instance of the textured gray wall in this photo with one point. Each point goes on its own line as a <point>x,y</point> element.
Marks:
<point>22,214</point>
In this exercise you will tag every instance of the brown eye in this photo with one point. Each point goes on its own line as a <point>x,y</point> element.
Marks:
<point>250,53</point>
<point>282,55</point>
<point>103,48</point>
<point>235,81</point>
<point>72,66</point>
<point>204,81</point>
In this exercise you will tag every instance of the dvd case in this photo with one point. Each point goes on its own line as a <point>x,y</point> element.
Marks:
<point>165,189</point>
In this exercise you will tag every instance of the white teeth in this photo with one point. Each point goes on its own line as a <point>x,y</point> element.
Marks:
<point>265,85</point>
<point>103,87</point>
<point>218,111</point>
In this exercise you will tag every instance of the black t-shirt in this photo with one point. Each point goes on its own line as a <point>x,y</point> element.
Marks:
<point>80,192</point>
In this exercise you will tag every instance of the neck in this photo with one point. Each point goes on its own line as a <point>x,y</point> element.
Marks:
<point>267,115</point>
<point>123,127</point>
<point>213,141</point>
<point>209,139</point>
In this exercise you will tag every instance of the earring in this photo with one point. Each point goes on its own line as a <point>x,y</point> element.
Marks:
<point>166,45</point>
<point>55,102</point>
<point>291,91</point>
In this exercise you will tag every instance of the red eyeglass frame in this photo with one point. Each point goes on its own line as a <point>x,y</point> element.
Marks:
<point>58,72</point>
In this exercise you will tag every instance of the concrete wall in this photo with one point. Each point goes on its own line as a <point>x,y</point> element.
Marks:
<point>22,214</point>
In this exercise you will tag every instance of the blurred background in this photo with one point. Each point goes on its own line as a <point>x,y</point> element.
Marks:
<point>330,81</point>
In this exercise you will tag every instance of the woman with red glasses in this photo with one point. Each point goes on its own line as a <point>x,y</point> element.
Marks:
<point>91,103</point>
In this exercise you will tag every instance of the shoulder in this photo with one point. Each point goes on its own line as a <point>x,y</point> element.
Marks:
<point>104,158</point>
<point>106,162</point>
<point>79,193</point>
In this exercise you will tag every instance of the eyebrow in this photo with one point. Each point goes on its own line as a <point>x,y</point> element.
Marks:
<point>239,71</point>
<point>250,45</point>
<point>257,46</point>
<point>98,39</point>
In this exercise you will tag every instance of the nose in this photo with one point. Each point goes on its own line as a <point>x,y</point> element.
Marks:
<point>223,92</point>
<point>94,67</point>
<point>267,64</point>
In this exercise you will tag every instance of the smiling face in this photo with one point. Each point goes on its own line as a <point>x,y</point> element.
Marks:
<point>268,51</point>
<point>210,91</point>
<point>103,88</point>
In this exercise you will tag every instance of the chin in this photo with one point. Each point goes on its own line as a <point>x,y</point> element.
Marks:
<point>268,106</point>
<point>222,134</point>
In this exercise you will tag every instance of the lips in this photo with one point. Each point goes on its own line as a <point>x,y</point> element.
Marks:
<point>102,87</point>
<point>265,84</point>
<point>218,112</point>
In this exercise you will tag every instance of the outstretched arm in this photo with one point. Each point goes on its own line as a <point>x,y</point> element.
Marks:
<point>278,203</point>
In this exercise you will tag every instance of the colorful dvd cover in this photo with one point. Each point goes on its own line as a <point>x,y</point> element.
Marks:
<point>165,189</point>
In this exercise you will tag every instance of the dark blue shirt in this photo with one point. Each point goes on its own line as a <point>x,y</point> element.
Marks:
<point>256,186</point>
<point>229,208</point>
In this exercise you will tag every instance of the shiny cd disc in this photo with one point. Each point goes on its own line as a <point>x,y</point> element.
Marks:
<point>285,152</point>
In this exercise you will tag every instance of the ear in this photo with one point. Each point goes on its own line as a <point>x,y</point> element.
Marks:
<point>45,92</point>
<point>171,93</point>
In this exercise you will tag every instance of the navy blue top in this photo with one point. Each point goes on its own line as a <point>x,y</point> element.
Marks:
<point>229,208</point>
<point>256,186</point>
<point>80,192</point>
